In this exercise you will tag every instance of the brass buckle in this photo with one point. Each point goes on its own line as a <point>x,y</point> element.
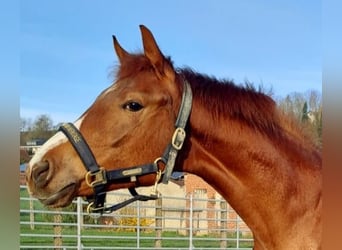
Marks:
<point>178,138</point>
<point>96,178</point>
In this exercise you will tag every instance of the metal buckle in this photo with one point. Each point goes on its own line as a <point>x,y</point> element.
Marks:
<point>154,190</point>
<point>96,178</point>
<point>93,212</point>
<point>178,138</point>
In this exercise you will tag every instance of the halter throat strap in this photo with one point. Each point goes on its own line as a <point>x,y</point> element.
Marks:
<point>98,178</point>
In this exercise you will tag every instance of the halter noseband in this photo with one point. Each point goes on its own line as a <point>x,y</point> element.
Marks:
<point>98,178</point>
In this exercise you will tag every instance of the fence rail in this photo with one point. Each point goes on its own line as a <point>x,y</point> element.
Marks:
<point>167,223</point>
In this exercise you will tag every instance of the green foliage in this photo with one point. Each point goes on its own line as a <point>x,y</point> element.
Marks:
<point>305,116</point>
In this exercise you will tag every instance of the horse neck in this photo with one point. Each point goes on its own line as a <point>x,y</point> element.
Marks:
<point>264,183</point>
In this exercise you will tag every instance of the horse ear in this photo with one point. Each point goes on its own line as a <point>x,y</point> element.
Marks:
<point>120,52</point>
<point>152,51</point>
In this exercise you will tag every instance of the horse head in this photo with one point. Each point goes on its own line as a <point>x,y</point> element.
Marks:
<point>129,124</point>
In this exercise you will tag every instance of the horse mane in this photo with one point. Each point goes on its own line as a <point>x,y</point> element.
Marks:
<point>242,103</point>
<point>252,107</point>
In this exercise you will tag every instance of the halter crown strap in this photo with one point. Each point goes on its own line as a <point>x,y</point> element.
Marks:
<point>179,135</point>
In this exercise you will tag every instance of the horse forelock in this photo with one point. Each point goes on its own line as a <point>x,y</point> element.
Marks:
<point>135,64</point>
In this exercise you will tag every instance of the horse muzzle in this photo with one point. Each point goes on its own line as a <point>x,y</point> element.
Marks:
<point>38,178</point>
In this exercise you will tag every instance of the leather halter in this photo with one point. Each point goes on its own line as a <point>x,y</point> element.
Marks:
<point>98,178</point>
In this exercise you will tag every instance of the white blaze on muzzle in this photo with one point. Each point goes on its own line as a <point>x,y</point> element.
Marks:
<point>56,140</point>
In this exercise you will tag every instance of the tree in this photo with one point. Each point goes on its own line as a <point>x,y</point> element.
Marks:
<point>42,128</point>
<point>306,108</point>
<point>314,100</point>
<point>25,124</point>
<point>42,123</point>
<point>293,104</point>
<point>305,116</point>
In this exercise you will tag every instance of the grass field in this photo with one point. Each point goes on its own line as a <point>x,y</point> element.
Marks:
<point>98,238</point>
<point>93,234</point>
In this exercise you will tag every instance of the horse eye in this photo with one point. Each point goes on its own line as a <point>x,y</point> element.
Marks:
<point>133,106</point>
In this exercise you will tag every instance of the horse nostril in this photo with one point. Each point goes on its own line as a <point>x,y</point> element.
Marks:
<point>40,173</point>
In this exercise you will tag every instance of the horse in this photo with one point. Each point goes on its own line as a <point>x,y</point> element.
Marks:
<point>155,119</point>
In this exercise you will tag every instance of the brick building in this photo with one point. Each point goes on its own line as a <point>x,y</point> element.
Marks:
<point>202,190</point>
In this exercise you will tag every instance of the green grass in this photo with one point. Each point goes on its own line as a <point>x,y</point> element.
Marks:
<point>121,239</point>
<point>96,237</point>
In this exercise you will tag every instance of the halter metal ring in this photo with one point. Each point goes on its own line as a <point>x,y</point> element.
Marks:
<point>93,211</point>
<point>159,159</point>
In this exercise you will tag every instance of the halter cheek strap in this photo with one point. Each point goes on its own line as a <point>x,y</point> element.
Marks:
<point>88,159</point>
<point>98,178</point>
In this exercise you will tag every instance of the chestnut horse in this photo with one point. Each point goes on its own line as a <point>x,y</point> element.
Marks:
<point>156,119</point>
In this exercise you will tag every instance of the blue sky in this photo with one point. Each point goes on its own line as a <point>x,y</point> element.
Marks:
<point>67,55</point>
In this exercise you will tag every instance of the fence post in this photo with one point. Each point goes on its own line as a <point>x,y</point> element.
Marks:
<point>138,224</point>
<point>57,229</point>
<point>190,222</point>
<point>223,224</point>
<point>31,214</point>
<point>79,222</point>
<point>237,232</point>
<point>159,223</point>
